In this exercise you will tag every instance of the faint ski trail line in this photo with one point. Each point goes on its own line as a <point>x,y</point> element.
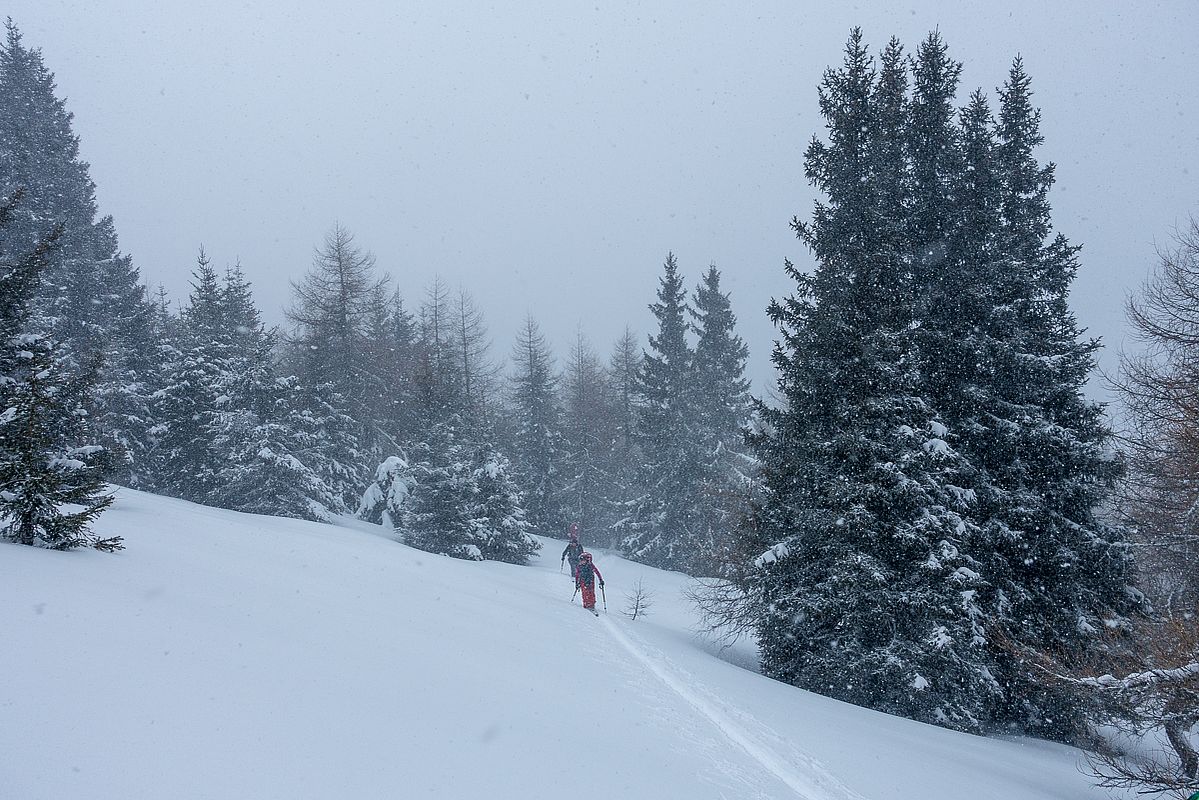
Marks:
<point>817,784</point>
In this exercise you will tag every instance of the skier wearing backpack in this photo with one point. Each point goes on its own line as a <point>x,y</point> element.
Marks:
<point>586,575</point>
<point>573,550</point>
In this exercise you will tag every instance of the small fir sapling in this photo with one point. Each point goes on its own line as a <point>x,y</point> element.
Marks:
<point>638,601</point>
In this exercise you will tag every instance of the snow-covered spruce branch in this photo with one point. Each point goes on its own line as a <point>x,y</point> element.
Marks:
<point>1145,703</point>
<point>1139,680</point>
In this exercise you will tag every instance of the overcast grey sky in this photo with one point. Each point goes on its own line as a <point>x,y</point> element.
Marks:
<point>547,155</point>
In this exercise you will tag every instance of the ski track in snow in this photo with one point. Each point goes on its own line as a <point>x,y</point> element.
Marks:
<point>813,783</point>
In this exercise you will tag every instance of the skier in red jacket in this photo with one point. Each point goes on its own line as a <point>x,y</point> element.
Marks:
<point>586,575</point>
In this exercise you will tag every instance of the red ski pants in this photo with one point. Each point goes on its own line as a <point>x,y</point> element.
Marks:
<point>588,595</point>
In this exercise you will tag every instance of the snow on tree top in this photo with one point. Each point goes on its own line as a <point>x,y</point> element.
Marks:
<point>772,555</point>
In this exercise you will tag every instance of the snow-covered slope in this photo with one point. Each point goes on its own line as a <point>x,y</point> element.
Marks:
<point>224,655</point>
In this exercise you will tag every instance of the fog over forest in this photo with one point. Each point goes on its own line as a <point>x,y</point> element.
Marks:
<point>547,158</point>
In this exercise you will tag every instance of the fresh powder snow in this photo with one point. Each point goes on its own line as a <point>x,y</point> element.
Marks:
<point>226,655</point>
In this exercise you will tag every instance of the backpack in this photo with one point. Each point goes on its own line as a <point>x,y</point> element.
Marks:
<point>586,572</point>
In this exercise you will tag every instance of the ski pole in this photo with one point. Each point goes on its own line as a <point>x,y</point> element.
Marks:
<point>576,591</point>
<point>604,595</point>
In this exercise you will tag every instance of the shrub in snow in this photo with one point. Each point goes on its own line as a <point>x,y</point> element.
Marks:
<point>638,601</point>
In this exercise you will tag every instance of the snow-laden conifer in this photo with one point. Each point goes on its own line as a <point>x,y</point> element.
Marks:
<point>1057,576</point>
<point>465,503</point>
<point>624,365</point>
<point>52,483</point>
<point>335,306</point>
<point>665,524</point>
<point>589,442</point>
<point>197,382</point>
<point>536,422</point>
<point>52,474</point>
<point>498,514</point>
<point>385,499</point>
<point>230,430</point>
<point>722,409</point>
<point>865,586</point>
<point>91,302</point>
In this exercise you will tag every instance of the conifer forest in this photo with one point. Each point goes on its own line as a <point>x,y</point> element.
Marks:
<point>928,510</point>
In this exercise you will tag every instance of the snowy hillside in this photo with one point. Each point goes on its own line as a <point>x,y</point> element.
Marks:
<point>224,655</point>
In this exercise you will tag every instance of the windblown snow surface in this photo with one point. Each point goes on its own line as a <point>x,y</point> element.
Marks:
<point>224,655</point>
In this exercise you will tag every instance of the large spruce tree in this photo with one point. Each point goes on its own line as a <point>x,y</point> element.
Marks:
<point>91,301</point>
<point>589,442</point>
<point>722,408</point>
<point>665,527</point>
<point>270,462</point>
<point>1057,575</point>
<point>197,380</point>
<point>864,587</point>
<point>928,517</point>
<point>537,430</point>
<point>620,495</point>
